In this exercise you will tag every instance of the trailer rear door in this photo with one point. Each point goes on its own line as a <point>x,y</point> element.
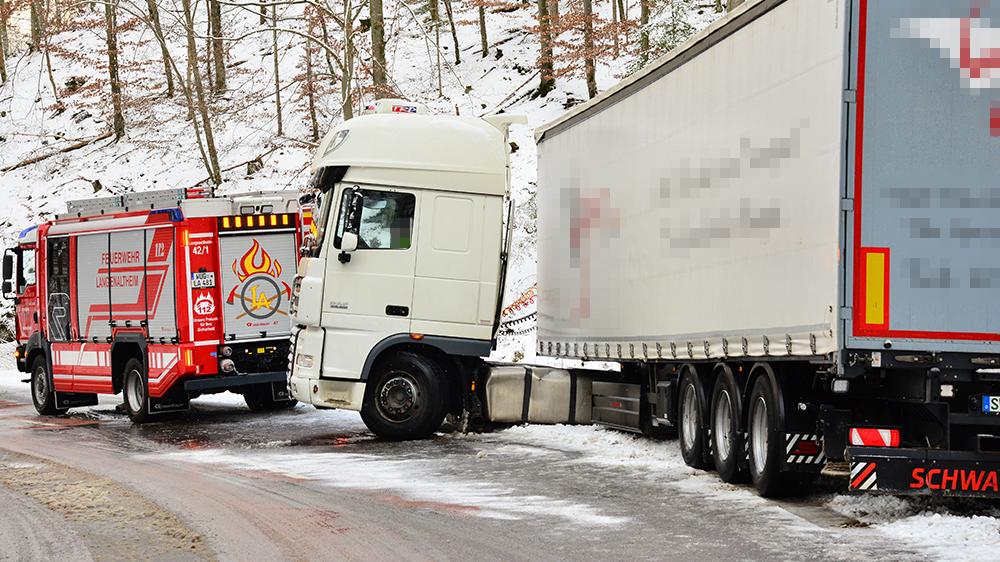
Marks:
<point>924,234</point>
<point>258,267</point>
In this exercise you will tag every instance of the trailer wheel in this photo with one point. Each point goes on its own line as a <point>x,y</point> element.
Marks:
<point>689,415</point>
<point>261,399</point>
<point>136,391</point>
<point>767,445</point>
<point>42,392</point>
<point>405,397</point>
<point>727,441</point>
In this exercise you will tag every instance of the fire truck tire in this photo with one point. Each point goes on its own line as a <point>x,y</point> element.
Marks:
<point>767,445</point>
<point>405,397</point>
<point>42,394</point>
<point>261,399</point>
<point>689,415</point>
<point>136,391</point>
<point>727,439</point>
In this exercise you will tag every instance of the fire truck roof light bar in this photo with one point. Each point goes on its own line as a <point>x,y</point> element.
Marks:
<point>235,223</point>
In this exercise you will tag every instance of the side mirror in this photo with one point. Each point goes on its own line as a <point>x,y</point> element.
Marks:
<point>8,266</point>
<point>349,242</point>
<point>352,225</point>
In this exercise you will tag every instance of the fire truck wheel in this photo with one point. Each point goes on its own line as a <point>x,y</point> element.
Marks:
<point>404,397</point>
<point>689,415</point>
<point>136,392</point>
<point>261,399</point>
<point>41,389</point>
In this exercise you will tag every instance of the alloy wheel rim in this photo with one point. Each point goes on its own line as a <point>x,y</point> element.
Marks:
<point>41,386</point>
<point>723,425</point>
<point>136,396</point>
<point>399,399</point>
<point>758,435</point>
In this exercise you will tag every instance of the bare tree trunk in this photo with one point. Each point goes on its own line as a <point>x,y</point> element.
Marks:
<point>614,26</point>
<point>218,50</point>
<point>326,41</point>
<point>554,18</point>
<point>644,31</point>
<point>36,25</point>
<point>111,26</point>
<point>733,4</point>
<point>718,6</point>
<point>482,31</point>
<point>263,13</point>
<point>3,41</point>
<point>213,156</point>
<point>454,34</point>
<point>209,71</point>
<point>588,47</point>
<point>311,90</point>
<point>277,74</point>
<point>154,22</point>
<point>379,79</point>
<point>545,68</point>
<point>347,72</point>
<point>436,22</point>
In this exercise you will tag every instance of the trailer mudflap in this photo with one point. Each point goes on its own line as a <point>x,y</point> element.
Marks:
<point>924,472</point>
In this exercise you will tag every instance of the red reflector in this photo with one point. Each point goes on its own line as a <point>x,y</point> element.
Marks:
<point>808,448</point>
<point>872,437</point>
<point>616,404</point>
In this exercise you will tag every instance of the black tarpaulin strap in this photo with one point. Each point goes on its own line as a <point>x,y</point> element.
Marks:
<point>527,395</point>
<point>572,397</point>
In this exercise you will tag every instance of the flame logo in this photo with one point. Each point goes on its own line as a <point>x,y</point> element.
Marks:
<point>256,260</point>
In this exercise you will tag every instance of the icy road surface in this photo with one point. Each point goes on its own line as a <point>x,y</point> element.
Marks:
<point>223,482</point>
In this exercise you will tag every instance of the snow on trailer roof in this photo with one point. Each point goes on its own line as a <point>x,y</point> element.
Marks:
<point>444,152</point>
<point>717,31</point>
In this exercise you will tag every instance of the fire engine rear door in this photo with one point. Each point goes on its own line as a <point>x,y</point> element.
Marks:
<point>257,273</point>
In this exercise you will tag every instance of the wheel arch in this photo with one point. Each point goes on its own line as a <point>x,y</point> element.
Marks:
<point>123,348</point>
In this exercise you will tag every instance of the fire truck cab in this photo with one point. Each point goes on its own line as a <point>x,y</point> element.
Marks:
<point>161,296</point>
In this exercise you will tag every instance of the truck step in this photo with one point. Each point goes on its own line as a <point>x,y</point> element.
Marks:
<point>837,469</point>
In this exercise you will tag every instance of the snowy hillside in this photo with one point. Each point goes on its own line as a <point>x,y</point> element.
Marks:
<point>159,149</point>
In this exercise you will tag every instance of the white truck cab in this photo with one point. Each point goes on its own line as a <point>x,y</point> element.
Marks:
<point>396,299</point>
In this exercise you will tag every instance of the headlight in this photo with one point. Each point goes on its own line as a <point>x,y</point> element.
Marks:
<point>304,360</point>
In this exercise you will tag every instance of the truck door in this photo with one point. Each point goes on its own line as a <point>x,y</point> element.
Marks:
<point>370,297</point>
<point>924,264</point>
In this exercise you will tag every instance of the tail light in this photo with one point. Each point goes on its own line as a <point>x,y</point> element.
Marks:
<point>874,437</point>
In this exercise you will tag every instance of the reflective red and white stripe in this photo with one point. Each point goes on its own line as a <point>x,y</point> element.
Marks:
<point>863,476</point>
<point>870,437</point>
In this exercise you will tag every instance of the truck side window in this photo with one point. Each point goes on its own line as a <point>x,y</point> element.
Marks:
<point>386,220</point>
<point>27,269</point>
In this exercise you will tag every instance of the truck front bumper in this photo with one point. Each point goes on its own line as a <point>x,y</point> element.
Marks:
<point>326,393</point>
<point>924,472</point>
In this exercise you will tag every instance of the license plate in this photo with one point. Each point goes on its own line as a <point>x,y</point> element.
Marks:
<point>203,279</point>
<point>990,404</point>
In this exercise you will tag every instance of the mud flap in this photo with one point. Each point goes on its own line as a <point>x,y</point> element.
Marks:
<point>924,472</point>
<point>66,400</point>
<point>280,392</point>
<point>803,453</point>
<point>175,400</point>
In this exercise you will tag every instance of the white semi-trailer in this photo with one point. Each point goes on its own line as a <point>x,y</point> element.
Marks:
<point>784,231</point>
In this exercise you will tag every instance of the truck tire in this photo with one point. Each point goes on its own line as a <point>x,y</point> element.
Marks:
<point>42,392</point>
<point>689,419</point>
<point>767,444</point>
<point>405,397</point>
<point>135,388</point>
<point>259,398</point>
<point>727,440</point>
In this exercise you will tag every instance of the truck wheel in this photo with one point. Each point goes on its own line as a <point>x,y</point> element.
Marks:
<point>404,398</point>
<point>261,399</point>
<point>42,392</point>
<point>136,391</point>
<point>767,444</point>
<point>689,415</point>
<point>727,441</point>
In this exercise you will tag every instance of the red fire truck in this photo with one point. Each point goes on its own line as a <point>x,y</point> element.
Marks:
<point>161,296</point>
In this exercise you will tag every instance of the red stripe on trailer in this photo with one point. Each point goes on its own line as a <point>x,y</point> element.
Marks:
<point>874,437</point>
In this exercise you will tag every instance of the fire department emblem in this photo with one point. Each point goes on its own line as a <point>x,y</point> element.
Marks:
<point>260,289</point>
<point>204,305</point>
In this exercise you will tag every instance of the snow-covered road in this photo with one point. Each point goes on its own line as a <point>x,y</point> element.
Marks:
<point>304,482</point>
